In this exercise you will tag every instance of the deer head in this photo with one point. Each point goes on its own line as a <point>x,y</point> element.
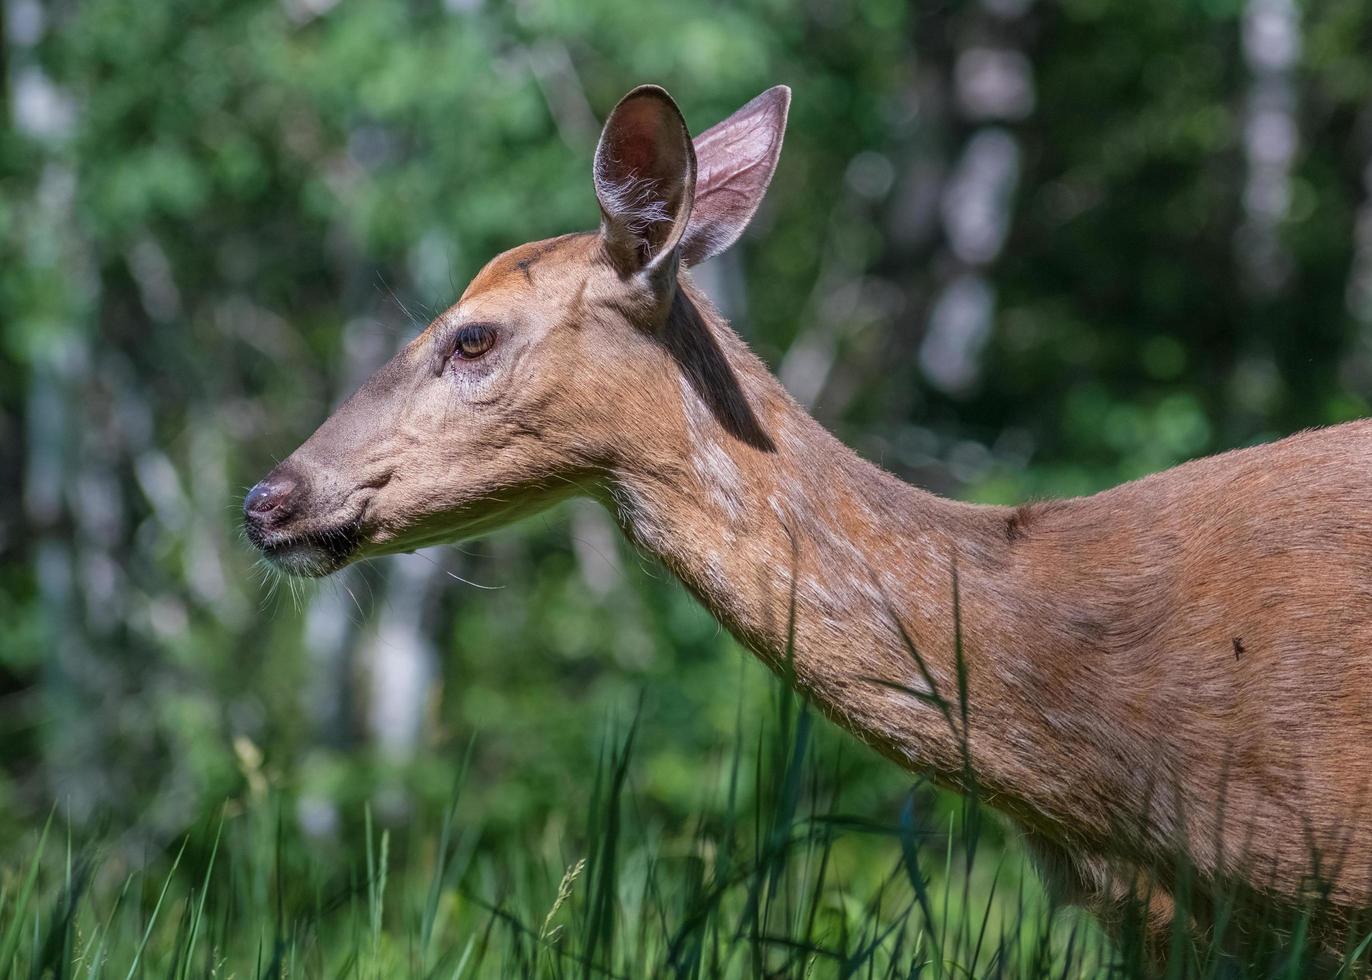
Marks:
<point>531,388</point>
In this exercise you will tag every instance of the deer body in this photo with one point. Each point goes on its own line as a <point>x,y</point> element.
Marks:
<point>1176,669</point>
<point>1157,672</point>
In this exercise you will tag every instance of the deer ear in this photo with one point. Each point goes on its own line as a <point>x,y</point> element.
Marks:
<point>737,158</point>
<point>645,176</point>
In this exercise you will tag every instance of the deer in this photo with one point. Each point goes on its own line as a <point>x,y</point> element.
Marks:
<point>1176,672</point>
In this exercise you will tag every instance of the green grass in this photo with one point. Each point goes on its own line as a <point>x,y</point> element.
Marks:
<point>770,876</point>
<point>776,888</point>
<point>773,878</point>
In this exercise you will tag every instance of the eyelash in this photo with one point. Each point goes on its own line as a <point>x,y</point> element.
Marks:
<point>473,341</point>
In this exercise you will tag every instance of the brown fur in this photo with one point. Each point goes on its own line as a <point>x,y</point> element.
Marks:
<point>1178,669</point>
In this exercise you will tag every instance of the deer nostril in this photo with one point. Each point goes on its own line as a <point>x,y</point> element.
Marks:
<point>267,496</point>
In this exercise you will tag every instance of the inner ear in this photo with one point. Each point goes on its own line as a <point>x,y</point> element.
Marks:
<point>645,172</point>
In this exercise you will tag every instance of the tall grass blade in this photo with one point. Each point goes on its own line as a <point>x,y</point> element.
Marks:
<point>156,910</point>
<point>9,946</point>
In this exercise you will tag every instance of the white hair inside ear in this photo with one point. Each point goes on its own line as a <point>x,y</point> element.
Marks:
<point>645,175</point>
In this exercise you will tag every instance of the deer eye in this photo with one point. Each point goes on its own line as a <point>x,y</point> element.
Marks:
<point>472,341</point>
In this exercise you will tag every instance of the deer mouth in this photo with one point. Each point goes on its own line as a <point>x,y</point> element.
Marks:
<point>308,554</point>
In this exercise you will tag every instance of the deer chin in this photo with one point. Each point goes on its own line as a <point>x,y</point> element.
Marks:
<point>311,554</point>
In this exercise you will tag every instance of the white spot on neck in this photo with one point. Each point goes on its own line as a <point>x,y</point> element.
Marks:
<point>716,469</point>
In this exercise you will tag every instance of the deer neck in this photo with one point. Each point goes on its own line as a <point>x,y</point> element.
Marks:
<point>831,570</point>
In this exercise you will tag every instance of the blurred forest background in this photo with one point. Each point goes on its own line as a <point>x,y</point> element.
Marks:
<point>1014,248</point>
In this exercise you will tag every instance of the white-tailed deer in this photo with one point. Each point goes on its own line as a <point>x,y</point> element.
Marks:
<point>1174,672</point>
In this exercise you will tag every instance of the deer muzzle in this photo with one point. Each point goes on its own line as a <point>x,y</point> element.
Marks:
<point>281,516</point>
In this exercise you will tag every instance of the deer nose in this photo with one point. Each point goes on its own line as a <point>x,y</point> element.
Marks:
<point>268,500</point>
